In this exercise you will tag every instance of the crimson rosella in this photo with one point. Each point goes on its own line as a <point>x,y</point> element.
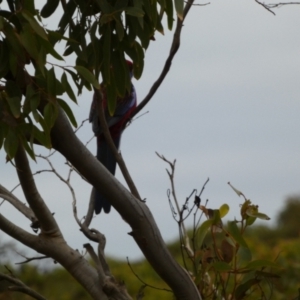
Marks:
<point>116,124</point>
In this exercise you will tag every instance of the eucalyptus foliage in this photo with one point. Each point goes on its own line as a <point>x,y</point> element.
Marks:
<point>101,34</point>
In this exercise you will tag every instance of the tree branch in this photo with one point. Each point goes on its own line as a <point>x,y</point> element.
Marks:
<point>34,199</point>
<point>173,50</point>
<point>270,6</point>
<point>13,200</point>
<point>19,286</point>
<point>134,212</point>
<point>18,233</point>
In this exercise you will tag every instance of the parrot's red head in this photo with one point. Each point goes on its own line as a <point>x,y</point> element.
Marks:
<point>130,66</point>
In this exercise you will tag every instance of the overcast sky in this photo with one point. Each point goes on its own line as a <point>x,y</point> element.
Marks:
<point>228,110</point>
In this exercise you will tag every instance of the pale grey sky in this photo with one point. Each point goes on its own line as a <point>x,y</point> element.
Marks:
<point>229,110</point>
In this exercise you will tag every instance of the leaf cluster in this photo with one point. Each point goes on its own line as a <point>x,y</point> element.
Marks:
<point>219,257</point>
<point>101,35</point>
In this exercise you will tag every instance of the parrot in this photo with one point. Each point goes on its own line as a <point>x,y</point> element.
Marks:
<point>116,124</point>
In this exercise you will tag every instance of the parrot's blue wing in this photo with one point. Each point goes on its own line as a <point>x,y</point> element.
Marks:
<point>107,158</point>
<point>116,123</point>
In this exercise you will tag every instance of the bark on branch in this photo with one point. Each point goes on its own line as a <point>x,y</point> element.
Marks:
<point>33,197</point>
<point>134,212</point>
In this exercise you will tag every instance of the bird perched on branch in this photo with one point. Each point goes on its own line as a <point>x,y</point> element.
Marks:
<point>116,124</point>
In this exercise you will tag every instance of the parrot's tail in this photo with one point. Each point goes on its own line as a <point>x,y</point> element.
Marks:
<point>107,158</point>
<point>101,202</point>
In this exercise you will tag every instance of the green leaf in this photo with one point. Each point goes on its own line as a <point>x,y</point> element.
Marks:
<point>250,221</point>
<point>34,103</point>
<point>202,232</point>
<point>236,234</point>
<point>29,6</point>
<point>13,41</point>
<point>14,98</point>
<point>221,266</point>
<point>49,8</point>
<point>141,5</point>
<point>266,274</point>
<point>1,137</point>
<point>111,97</point>
<point>13,19</point>
<point>105,7</point>
<point>169,12</point>
<point>67,16</point>
<point>106,54</point>
<point>120,73</point>
<point>68,111</point>
<point>59,88</point>
<point>67,87</point>
<point>29,42</point>
<point>49,48</point>
<point>120,4</point>
<point>88,76</point>
<point>50,114</point>
<point>134,11</point>
<point>27,147</point>
<point>74,76</point>
<point>244,255</point>
<point>239,193</point>
<point>159,26</point>
<point>257,215</point>
<point>179,8</point>
<point>15,106</point>
<point>261,263</point>
<point>34,24</point>
<point>138,62</point>
<point>1,23</point>
<point>119,28</point>
<point>51,82</point>
<point>4,59</point>
<point>224,209</point>
<point>242,289</point>
<point>42,137</point>
<point>11,144</point>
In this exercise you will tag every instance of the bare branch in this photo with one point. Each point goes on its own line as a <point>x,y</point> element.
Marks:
<point>184,238</point>
<point>265,6</point>
<point>274,5</point>
<point>34,199</point>
<point>95,259</point>
<point>13,200</point>
<point>143,282</point>
<point>19,286</point>
<point>17,233</point>
<point>135,213</point>
<point>171,177</point>
<point>110,286</point>
<point>28,259</point>
<point>270,6</point>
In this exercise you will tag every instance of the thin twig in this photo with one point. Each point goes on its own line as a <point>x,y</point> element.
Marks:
<point>265,6</point>
<point>30,259</point>
<point>13,200</point>
<point>270,6</point>
<point>143,282</point>
<point>19,286</point>
<point>95,258</point>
